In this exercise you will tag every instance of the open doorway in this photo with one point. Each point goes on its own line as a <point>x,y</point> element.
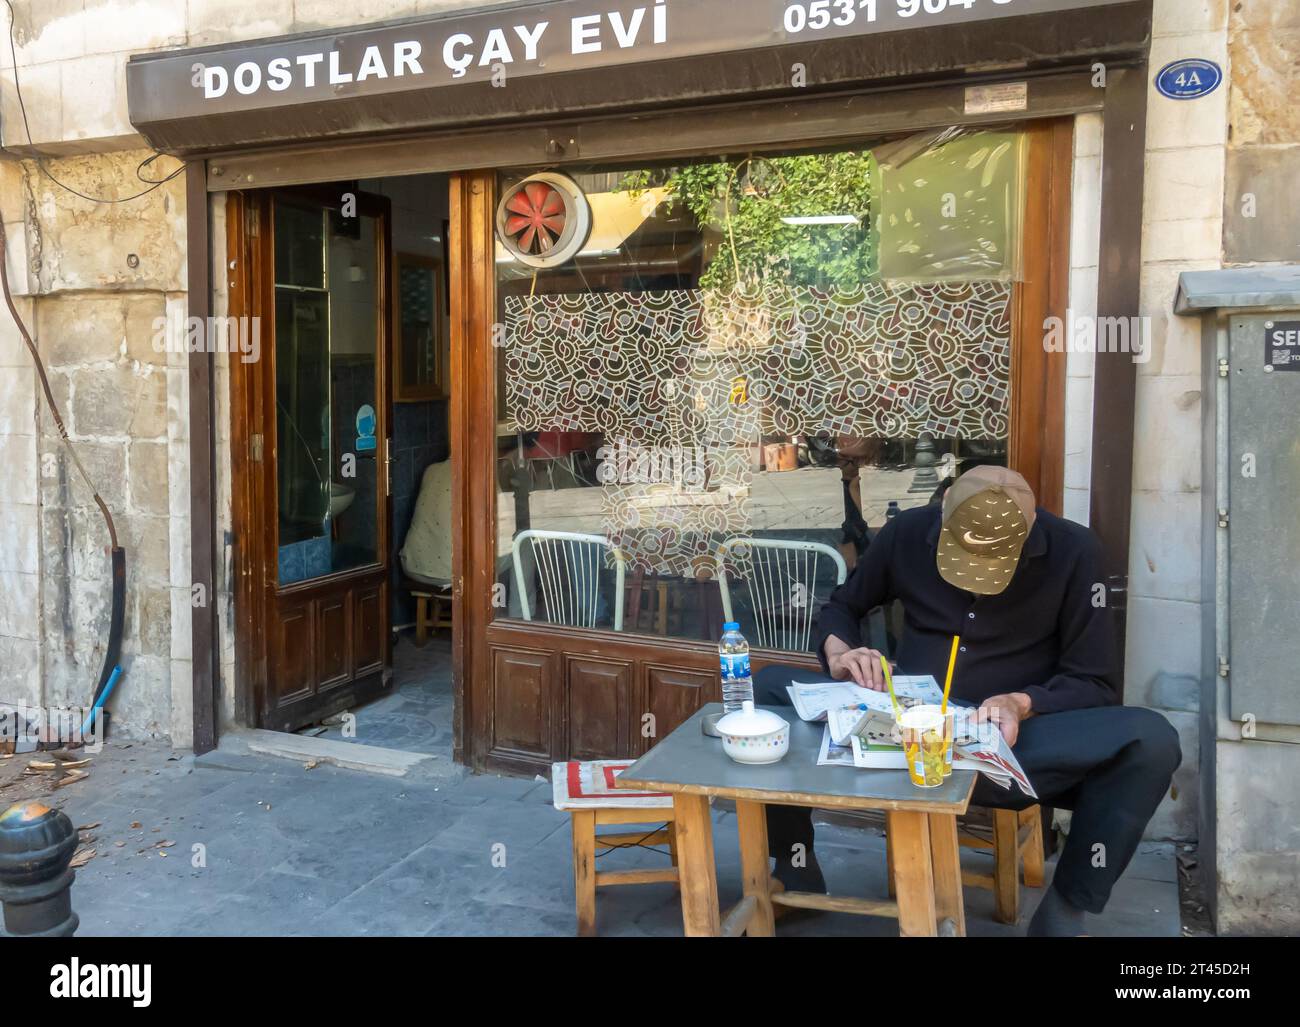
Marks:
<point>416,713</point>
<point>343,509</point>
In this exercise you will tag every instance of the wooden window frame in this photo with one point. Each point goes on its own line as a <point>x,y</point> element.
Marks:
<point>665,676</point>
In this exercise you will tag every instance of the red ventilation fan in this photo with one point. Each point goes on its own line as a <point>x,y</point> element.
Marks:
<point>544,220</point>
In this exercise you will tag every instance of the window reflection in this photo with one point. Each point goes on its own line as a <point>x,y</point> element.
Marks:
<point>747,368</point>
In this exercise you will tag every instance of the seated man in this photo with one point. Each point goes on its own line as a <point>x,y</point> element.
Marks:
<point>1037,655</point>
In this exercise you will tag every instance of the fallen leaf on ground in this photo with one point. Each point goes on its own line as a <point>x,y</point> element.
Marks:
<point>88,827</point>
<point>82,857</point>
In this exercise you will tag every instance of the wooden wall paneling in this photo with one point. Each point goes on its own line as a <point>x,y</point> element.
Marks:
<point>333,620</point>
<point>205,641</point>
<point>295,650</point>
<point>524,687</point>
<point>597,698</point>
<point>1060,202</point>
<point>671,695</point>
<point>1037,430</point>
<point>246,265</point>
<point>1118,295</point>
<point>265,515</point>
<point>472,415</point>
<point>369,628</point>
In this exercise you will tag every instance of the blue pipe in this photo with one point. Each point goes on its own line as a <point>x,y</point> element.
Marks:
<point>103,698</point>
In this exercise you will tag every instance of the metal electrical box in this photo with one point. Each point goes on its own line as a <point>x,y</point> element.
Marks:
<point>1251,490</point>
<point>1263,517</point>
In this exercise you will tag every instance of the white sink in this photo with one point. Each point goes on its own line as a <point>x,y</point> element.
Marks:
<point>341,497</point>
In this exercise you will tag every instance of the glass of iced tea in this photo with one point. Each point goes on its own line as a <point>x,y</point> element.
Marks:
<point>948,731</point>
<point>922,730</point>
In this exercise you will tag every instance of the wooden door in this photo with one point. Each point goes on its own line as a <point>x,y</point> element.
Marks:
<point>311,481</point>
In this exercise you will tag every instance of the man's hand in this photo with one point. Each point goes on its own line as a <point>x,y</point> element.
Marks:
<point>861,665</point>
<point>1006,711</point>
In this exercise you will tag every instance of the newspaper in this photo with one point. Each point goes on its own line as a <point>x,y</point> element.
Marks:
<point>833,755</point>
<point>814,702</point>
<point>861,730</point>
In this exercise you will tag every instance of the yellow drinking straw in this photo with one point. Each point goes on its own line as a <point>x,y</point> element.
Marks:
<point>889,682</point>
<point>952,662</point>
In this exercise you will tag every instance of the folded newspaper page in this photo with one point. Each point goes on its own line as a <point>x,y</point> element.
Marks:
<point>814,702</point>
<point>833,755</point>
<point>861,730</point>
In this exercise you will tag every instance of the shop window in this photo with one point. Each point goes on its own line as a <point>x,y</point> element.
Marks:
<point>711,402</point>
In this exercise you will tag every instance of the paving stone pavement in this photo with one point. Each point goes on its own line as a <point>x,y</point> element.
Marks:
<point>237,844</point>
<point>266,847</point>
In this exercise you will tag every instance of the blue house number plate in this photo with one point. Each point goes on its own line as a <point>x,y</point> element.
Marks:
<point>1189,79</point>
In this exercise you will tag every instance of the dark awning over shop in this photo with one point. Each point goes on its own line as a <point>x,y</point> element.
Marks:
<point>531,61</point>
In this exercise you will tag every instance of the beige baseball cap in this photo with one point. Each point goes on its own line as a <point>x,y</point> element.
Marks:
<point>987,514</point>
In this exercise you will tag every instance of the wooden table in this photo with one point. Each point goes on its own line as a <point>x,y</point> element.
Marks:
<point>922,829</point>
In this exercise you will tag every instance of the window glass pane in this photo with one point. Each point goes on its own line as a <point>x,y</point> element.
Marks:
<point>299,246</point>
<point>326,346</point>
<point>708,411</point>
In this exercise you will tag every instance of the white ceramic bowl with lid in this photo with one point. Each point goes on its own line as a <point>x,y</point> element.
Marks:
<point>754,736</point>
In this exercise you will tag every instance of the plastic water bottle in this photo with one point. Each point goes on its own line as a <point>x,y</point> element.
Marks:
<point>733,659</point>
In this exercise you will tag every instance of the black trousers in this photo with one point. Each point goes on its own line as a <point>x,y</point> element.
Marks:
<point>1111,766</point>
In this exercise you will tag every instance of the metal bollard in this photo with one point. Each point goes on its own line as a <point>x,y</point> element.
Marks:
<point>36,846</point>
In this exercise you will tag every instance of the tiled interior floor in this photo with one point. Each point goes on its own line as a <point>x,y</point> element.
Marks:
<point>417,715</point>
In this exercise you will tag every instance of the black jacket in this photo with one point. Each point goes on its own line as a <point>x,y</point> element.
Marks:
<point>1042,636</point>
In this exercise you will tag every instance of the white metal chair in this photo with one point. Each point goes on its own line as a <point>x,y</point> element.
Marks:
<point>568,570</point>
<point>783,618</point>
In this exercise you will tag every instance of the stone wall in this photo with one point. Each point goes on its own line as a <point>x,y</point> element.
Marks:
<point>1182,231</point>
<point>1254,857</point>
<point>98,279</point>
<point>71,53</point>
<point>1263,160</point>
<point>20,623</point>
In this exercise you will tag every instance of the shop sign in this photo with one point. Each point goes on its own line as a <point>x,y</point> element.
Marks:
<point>502,44</point>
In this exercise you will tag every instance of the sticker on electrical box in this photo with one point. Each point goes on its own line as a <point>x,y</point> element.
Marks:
<point>1009,96</point>
<point>1282,345</point>
<point>1189,79</point>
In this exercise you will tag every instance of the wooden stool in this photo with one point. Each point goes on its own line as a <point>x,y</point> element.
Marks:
<point>432,610</point>
<point>1017,845</point>
<point>1016,841</point>
<point>586,791</point>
